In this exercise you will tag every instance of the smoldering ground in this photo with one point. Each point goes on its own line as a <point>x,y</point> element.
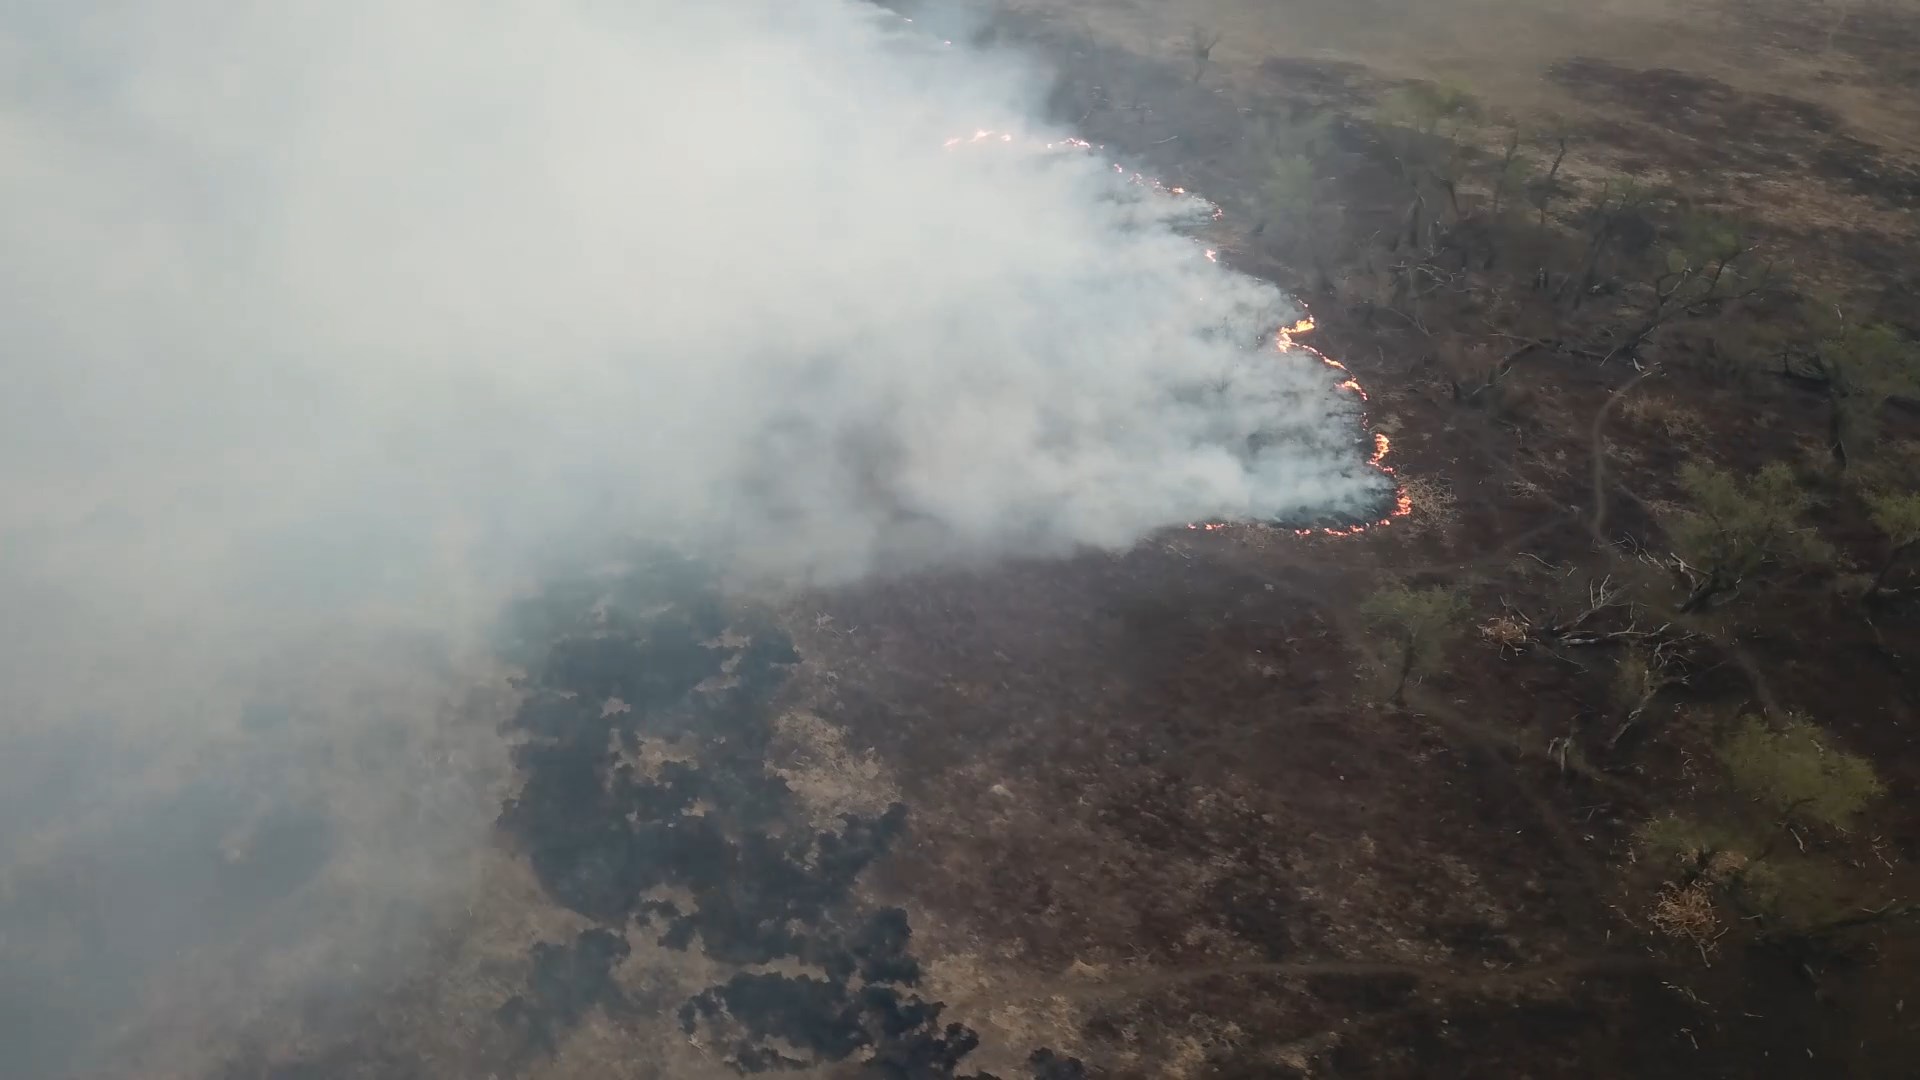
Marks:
<point>324,327</point>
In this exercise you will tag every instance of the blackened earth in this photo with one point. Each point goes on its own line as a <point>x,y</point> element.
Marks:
<point>658,653</point>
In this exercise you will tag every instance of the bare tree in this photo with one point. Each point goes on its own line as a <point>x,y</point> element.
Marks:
<point>1488,387</point>
<point>1423,134</point>
<point>1654,657</point>
<point>1200,43</point>
<point>1543,189</point>
<point>1840,12</point>
<point>1646,671</point>
<point>1512,171</point>
<point>1606,218</point>
<point>1476,237</point>
<point>1704,272</point>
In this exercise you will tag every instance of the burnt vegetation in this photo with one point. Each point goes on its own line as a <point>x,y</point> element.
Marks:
<point>658,655</point>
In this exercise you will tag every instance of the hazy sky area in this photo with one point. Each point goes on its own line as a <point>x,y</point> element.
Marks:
<point>323,324</point>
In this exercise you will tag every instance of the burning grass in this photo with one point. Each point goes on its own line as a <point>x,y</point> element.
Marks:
<point>1391,501</point>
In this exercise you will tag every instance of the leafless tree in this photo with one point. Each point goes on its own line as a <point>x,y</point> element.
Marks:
<point>1648,669</point>
<point>1200,43</point>
<point>1423,135</point>
<point>1606,219</point>
<point>1543,189</point>
<point>1703,273</point>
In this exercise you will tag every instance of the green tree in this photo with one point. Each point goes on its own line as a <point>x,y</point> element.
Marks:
<point>1897,516</point>
<point>1860,368</point>
<point>1734,529</point>
<point>1297,217</point>
<point>1793,768</point>
<point>1418,624</point>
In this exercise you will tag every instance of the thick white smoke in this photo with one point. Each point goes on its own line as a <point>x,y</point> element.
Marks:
<point>277,279</point>
<point>368,306</point>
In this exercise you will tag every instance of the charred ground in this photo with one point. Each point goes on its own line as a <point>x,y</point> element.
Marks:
<point>704,851</point>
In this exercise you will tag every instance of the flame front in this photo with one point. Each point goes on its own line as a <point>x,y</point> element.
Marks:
<point>1286,338</point>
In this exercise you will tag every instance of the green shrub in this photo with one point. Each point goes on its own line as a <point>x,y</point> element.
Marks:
<point>1419,623</point>
<point>1793,768</point>
<point>1732,529</point>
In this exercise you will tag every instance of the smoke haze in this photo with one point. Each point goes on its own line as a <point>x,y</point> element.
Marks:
<point>321,326</point>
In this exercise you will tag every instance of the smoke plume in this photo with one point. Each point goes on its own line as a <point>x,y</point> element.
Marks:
<point>322,324</point>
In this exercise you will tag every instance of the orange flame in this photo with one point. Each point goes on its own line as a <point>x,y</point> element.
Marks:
<point>1286,339</point>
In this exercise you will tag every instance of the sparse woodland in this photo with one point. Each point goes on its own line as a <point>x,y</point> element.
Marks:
<point>1499,274</point>
<point>1659,426</point>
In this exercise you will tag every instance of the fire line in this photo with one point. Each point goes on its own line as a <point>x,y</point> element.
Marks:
<point>1286,340</point>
